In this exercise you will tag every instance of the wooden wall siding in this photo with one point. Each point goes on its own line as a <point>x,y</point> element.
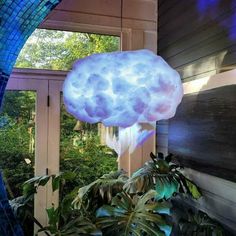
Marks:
<point>218,198</point>
<point>200,44</point>
<point>203,132</point>
<point>162,137</point>
<point>137,14</point>
<point>197,43</point>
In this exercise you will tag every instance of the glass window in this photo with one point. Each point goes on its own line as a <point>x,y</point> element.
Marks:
<point>83,151</point>
<point>58,50</point>
<point>17,143</point>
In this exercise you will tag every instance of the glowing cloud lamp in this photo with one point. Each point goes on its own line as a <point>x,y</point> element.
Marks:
<point>128,139</point>
<point>123,89</point>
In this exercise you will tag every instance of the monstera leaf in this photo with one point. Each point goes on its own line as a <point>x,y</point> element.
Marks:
<point>162,175</point>
<point>128,216</point>
<point>75,226</point>
<point>30,187</point>
<point>80,226</point>
<point>100,191</point>
<point>199,223</point>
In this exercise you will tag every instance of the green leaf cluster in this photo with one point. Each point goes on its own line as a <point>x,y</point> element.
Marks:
<point>58,50</point>
<point>110,205</point>
<point>134,216</point>
<point>199,223</point>
<point>99,192</point>
<point>164,176</point>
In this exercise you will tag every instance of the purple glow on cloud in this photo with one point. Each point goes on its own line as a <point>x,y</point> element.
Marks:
<point>123,89</point>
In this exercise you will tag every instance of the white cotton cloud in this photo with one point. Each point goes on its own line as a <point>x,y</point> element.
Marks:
<point>128,139</point>
<point>122,89</point>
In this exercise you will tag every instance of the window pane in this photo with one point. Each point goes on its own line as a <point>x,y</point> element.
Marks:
<point>58,50</point>
<point>17,143</point>
<point>83,151</point>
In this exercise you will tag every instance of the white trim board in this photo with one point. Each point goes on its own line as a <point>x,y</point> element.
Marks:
<point>210,82</point>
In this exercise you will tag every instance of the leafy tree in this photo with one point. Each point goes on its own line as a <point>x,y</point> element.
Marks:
<point>17,139</point>
<point>19,104</point>
<point>58,50</point>
<point>80,150</point>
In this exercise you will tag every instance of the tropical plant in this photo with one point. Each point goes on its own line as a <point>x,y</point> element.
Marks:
<point>23,210</point>
<point>164,176</point>
<point>89,160</point>
<point>199,223</point>
<point>63,220</point>
<point>99,192</point>
<point>108,207</point>
<point>128,215</point>
<point>75,225</point>
<point>22,206</point>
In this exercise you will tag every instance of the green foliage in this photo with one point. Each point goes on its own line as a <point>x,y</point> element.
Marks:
<point>83,152</point>
<point>31,186</point>
<point>22,208</point>
<point>162,175</point>
<point>86,157</point>
<point>16,120</point>
<point>126,215</point>
<point>76,226</point>
<point>99,192</point>
<point>19,106</point>
<point>17,135</point>
<point>199,224</point>
<point>89,160</point>
<point>15,172</point>
<point>63,220</point>
<point>14,139</point>
<point>104,207</point>
<point>58,50</point>
<point>129,215</point>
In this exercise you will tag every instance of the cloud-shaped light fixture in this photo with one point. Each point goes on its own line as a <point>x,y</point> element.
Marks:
<point>122,89</point>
